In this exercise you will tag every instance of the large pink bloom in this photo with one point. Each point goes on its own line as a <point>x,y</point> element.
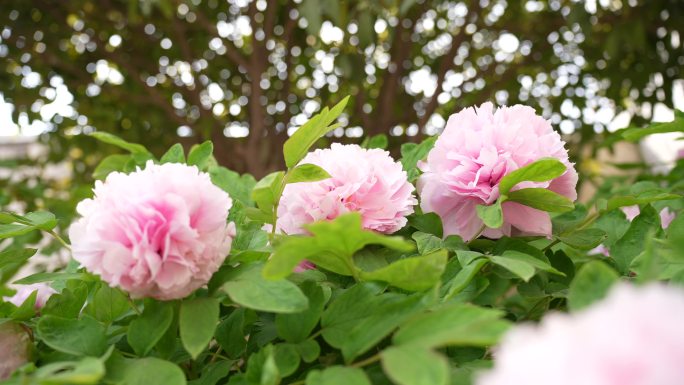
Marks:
<point>367,181</point>
<point>478,147</point>
<point>160,232</point>
<point>633,337</point>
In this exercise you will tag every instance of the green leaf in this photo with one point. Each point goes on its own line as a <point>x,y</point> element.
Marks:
<point>536,262</point>
<point>632,243</point>
<point>152,371</point>
<point>297,146</point>
<point>107,304</point>
<point>337,375</point>
<point>297,327</point>
<point>412,274</point>
<point>262,368</point>
<point>354,304</point>
<point>520,268</point>
<point>584,239</point>
<point>11,260</point>
<point>111,163</point>
<point>634,134</point>
<point>542,170</point>
<point>463,278</point>
<point>592,283</point>
<point>14,225</point>
<point>491,215</point>
<point>251,290</point>
<point>197,322</point>
<point>201,154</point>
<point>411,153</point>
<point>230,333</point>
<point>267,191</point>
<point>175,154</point>
<point>108,138</point>
<point>641,199</point>
<point>80,337</point>
<point>286,359</point>
<point>213,373</point>
<point>541,199</point>
<point>88,370</point>
<point>306,172</point>
<point>238,187</point>
<point>27,309</point>
<point>49,277</point>
<point>429,223</point>
<point>427,243</point>
<point>309,350</point>
<point>331,246</point>
<point>69,302</point>
<point>406,365</point>
<point>42,220</point>
<point>145,331</point>
<point>453,325</point>
<point>376,141</point>
<point>14,230</point>
<point>388,314</point>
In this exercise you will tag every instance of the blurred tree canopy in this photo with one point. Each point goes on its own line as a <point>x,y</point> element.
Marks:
<point>245,73</point>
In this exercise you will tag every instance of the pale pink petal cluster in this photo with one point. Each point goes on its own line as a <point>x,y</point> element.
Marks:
<point>631,212</point>
<point>43,293</point>
<point>666,215</point>
<point>633,337</point>
<point>366,181</point>
<point>478,147</point>
<point>159,232</point>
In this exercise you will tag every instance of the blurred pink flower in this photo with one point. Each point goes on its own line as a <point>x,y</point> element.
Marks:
<point>24,291</point>
<point>478,147</point>
<point>159,232</point>
<point>633,337</point>
<point>666,216</point>
<point>631,212</point>
<point>366,181</point>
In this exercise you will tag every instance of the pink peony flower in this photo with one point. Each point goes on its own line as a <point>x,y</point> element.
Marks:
<point>478,147</point>
<point>633,337</point>
<point>367,181</point>
<point>160,232</point>
<point>24,291</point>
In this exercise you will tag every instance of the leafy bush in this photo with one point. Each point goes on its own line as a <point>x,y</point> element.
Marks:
<point>413,308</point>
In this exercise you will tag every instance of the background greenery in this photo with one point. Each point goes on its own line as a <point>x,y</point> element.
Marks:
<point>242,73</point>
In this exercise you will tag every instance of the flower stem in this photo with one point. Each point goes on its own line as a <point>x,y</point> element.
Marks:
<point>367,361</point>
<point>135,308</point>
<point>59,239</point>
<point>479,232</point>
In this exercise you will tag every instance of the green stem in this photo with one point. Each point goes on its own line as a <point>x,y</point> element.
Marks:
<point>216,354</point>
<point>372,359</point>
<point>60,239</point>
<point>550,245</point>
<point>135,308</point>
<point>315,335</point>
<point>281,187</point>
<point>479,232</point>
